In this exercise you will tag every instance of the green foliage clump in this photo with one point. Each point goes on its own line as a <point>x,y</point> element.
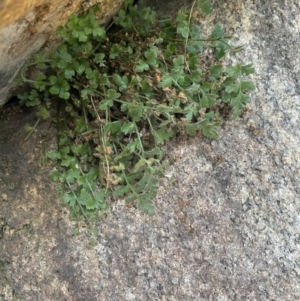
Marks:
<point>122,93</point>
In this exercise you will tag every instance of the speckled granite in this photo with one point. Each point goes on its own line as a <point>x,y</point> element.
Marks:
<point>227,226</point>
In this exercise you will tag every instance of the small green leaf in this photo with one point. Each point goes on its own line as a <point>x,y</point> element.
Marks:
<point>23,97</point>
<point>211,132</point>
<point>114,51</point>
<point>103,80</point>
<point>121,190</point>
<point>178,61</point>
<point>69,198</point>
<point>234,88</point>
<point>86,48</point>
<point>54,155</point>
<point>85,93</point>
<point>112,94</point>
<point>80,35</point>
<point>194,32</point>
<point>170,50</point>
<point>247,86</point>
<point>99,59</point>
<point>130,198</point>
<point>40,58</point>
<point>234,71</point>
<point>77,149</point>
<point>142,162</point>
<point>59,87</point>
<point>189,116</point>
<point>132,146</point>
<point>92,175</point>
<point>40,82</point>
<point>141,66</point>
<point>193,61</point>
<point>136,112</point>
<point>191,129</point>
<point>220,50</point>
<point>209,127</point>
<point>166,81</point>
<point>81,125</point>
<point>91,204</point>
<point>106,103</point>
<point>154,152</point>
<point>247,69</point>
<point>204,101</point>
<point>91,73</point>
<point>146,206</point>
<point>146,87</point>
<point>151,56</point>
<point>196,75</point>
<point>68,161</point>
<point>238,103</point>
<point>69,73</point>
<point>84,197</point>
<point>182,24</point>
<point>216,71</point>
<point>97,201</point>
<point>218,32</point>
<point>99,32</point>
<point>33,99</point>
<point>195,46</point>
<point>149,15</point>
<point>123,19</point>
<point>56,176</point>
<point>205,6</point>
<point>162,135</point>
<point>113,127</point>
<point>72,175</point>
<point>128,127</point>
<point>121,82</point>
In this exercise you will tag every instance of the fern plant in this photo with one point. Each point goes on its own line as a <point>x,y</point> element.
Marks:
<point>122,93</point>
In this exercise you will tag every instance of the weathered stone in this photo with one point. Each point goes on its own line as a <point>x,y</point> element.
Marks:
<point>26,26</point>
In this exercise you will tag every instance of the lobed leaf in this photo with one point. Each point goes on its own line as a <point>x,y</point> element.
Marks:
<point>205,6</point>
